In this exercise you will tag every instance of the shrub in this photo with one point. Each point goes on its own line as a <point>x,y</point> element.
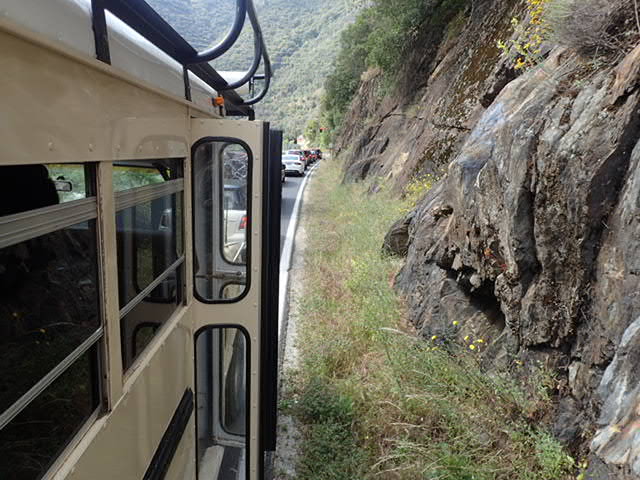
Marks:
<point>525,48</point>
<point>593,26</point>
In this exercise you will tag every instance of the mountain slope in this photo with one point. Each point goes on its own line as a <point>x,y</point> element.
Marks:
<point>302,37</point>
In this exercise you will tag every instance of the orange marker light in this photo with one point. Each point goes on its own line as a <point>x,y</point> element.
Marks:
<point>218,101</point>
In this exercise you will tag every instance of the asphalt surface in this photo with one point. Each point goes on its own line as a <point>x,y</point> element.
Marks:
<point>290,189</point>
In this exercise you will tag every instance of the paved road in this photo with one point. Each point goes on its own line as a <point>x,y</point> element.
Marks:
<point>289,192</point>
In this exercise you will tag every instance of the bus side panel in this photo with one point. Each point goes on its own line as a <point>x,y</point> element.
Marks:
<point>183,466</point>
<point>123,444</point>
<point>83,114</point>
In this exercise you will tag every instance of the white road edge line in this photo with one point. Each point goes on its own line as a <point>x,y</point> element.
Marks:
<point>287,252</point>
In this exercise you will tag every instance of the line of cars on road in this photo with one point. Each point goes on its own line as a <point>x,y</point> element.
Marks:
<point>296,162</point>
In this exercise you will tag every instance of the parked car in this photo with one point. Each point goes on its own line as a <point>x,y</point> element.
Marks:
<point>318,153</point>
<point>300,154</point>
<point>307,155</point>
<point>294,164</point>
<point>283,172</point>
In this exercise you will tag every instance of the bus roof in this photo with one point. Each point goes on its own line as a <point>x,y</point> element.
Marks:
<point>69,22</point>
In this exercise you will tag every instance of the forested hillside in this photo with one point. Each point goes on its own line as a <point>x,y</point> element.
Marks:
<point>302,37</point>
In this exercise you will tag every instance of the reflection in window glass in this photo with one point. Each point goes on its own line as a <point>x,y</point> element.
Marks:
<point>134,174</point>
<point>48,305</point>
<point>70,181</point>
<point>221,209</point>
<point>147,243</point>
<point>233,290</point>
<point>234,204</point>
<point>29,187</point>
<point>233,368</point>
<point>32,440</point>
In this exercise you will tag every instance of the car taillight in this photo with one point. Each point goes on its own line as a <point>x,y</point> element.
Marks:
<point>243,223</point>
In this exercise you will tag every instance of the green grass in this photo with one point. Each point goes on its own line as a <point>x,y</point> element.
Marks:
<point>375,400</point>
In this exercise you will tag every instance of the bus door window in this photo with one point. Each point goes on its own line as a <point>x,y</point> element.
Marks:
<point>221,356</point>
<point>50,325</point>
<point>222,169</point>
<point>149,219</point>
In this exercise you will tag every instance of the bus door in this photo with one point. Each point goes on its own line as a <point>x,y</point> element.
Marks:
<point>235,190</point>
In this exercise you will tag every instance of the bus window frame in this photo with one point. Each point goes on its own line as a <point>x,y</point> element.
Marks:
<point>250,221</point>
<point>35,223</point>
<point>130,198</point>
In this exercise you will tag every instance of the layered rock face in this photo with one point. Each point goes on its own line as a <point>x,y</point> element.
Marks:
<point>532,237</point>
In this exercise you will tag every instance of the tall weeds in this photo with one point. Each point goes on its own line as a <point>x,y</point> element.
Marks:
<point>375,400</point>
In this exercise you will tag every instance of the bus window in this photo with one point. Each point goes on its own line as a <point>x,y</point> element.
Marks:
<point>128,175</point>
<point>150,249</point>
<point>221,355</point>
<point>222,219</point>
<point>50,325</point>
<point>29,187</point>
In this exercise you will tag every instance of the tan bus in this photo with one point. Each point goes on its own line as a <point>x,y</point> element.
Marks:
<point>139,241</point>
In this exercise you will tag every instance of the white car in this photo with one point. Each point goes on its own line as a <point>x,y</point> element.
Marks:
<point>293,165</point>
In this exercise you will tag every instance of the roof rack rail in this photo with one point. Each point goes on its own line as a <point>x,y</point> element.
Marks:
<point>141,17</point>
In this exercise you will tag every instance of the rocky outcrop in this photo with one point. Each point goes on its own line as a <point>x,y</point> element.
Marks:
<point>443,89</point>
<point>531,240</point>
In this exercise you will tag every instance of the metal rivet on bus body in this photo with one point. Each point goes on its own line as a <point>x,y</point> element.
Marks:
<point>50,145</point>
<point>91,147</point>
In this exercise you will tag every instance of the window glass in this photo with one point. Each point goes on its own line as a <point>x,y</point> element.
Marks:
<point>222,403</point>
<point>150,245</point>
<point>134,174</point>
<point>32,440</point>
<point>147,243</point>
<point>139,326</point>
<point>70,181</point>
<point>233,368</point>
<point>48,305</point>
<point>222,222</point>
<point>29,187</point>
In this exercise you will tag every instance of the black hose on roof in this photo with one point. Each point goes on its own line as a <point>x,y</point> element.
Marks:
<point>228,41</point>
<point>257,56</point>
<point>253,17</point>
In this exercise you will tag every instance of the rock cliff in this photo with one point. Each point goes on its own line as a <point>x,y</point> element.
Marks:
<point>531,238</point>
